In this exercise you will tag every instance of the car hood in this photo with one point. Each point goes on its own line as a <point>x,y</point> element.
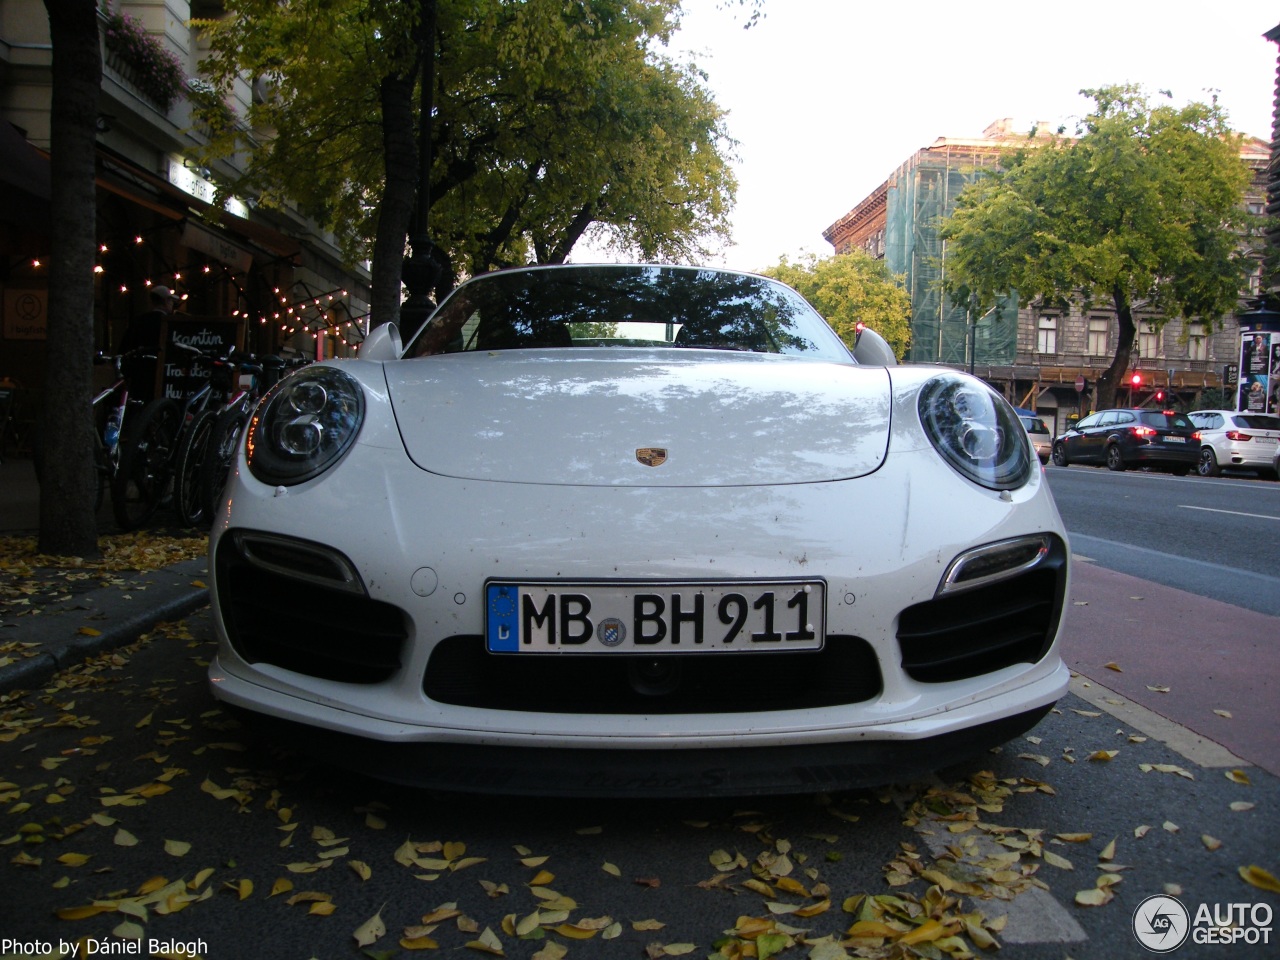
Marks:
<point>593,416</point>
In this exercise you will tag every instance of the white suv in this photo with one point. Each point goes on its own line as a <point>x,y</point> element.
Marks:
<point>1237,440</point>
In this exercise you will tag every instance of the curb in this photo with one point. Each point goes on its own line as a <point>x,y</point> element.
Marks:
<point>57,653</point>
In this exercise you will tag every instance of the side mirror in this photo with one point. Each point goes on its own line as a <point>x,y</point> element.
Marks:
<point>383,343</point>
<point>873,350</point>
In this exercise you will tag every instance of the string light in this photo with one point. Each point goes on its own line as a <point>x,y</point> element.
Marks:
<point>326,321</point>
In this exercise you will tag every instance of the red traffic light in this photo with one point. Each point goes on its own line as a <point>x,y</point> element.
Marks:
<point>1136,380</point>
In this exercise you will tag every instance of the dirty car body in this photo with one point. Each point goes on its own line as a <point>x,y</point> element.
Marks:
<point>637,530</point>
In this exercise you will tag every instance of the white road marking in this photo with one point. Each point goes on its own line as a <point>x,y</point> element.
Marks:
<point>1234,513</point>
<point>1034,915</point>
<point>1182,740</point>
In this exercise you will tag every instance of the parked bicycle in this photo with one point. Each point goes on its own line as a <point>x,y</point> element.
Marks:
<point>163,438</point>
<point>241,380</point>
<point>224,440</point>
<point>111,408</point>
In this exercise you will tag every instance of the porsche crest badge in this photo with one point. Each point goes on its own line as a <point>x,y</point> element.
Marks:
<point>651,456</point>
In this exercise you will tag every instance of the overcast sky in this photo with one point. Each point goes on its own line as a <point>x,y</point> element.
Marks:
<point>828,97</point>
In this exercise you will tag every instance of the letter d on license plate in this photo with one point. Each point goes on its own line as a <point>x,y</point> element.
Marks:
<point>554,617</point>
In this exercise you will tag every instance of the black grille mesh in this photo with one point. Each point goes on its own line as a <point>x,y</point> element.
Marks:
<point>984,629</point>
<point>306,627</point>
<point>461,672</point>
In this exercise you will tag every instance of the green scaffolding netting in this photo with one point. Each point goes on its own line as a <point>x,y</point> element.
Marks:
<point>921,193</point>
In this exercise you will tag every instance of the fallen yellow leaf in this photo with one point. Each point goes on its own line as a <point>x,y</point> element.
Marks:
<point>487,942</point>
<point>370,931</point>
<point>575,932</point>
<point>418,943</point>
<point>1260,878</point>
<point>93,909</point>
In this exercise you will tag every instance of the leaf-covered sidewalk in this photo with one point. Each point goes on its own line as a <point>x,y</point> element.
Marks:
<point>64,608</point>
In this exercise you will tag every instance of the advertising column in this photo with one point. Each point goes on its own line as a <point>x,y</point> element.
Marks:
<point>1259,373</point>
<point>1259,377</point>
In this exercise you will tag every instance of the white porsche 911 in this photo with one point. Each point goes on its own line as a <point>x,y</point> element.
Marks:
<point>637,530</point>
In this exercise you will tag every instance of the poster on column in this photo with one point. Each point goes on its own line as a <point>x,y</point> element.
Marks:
<point>1273,388</point>
<point>1259,368</point>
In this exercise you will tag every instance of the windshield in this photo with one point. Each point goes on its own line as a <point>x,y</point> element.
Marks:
<point>1164,420</point>
<point>627,306</point>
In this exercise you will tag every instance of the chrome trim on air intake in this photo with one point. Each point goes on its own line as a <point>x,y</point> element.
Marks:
<point>993,563</point>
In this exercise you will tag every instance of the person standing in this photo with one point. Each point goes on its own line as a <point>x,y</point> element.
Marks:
<point>143,335</point>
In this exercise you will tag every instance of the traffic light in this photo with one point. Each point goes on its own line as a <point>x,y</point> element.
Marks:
<point>1159,396</point>
<point>1136,380</point>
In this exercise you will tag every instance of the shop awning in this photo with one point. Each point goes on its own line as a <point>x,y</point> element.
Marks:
<point>24,172</point>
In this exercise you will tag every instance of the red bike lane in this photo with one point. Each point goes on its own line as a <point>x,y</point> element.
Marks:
<point>1180,655</point>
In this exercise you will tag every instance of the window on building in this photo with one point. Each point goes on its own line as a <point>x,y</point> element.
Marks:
<point>1047,335</point>
<point>1098,336</point>
<point>1197,342</point>
<point>1148,340</point>
<point>1255,280</point>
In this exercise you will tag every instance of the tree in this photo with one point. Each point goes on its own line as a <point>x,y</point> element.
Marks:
<point>1143,209</point>
<point>551,120</point>
<point>852,288</point>
<point>68,526</point>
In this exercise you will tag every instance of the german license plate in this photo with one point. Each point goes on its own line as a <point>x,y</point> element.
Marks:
<point>631,617</point>
<point>1175,439</point>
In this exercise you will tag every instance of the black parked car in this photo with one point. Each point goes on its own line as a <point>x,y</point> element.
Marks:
<point>1131,438</point>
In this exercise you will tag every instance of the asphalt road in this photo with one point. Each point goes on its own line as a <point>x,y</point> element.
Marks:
<point>1217,538</point>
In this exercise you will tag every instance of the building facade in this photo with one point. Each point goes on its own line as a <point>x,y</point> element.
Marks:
<point>1035,354</point>
<point>273,277</point>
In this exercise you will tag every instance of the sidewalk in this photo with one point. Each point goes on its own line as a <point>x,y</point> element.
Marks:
<point>55,617</point>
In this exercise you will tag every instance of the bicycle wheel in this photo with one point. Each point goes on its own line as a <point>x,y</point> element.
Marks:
<point>224,444</point>
<point>191,456</point>
<point>146,463</point>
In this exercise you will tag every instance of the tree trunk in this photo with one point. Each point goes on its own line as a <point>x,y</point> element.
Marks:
<point>572,234</point>
<point>1110,381</point>
<point>395,210</point>
<point>68,526</point>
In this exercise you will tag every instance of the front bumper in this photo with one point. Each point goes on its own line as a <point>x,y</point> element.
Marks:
<point>707,771</point>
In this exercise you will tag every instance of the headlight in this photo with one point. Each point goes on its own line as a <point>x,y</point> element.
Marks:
<point>976,432</point>
<point>306,423</point>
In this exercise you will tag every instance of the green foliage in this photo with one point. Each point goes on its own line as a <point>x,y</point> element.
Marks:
<point>551,120</point>
<point>852,288</point>
<point>1144,207</point>
<point>592,330</point>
